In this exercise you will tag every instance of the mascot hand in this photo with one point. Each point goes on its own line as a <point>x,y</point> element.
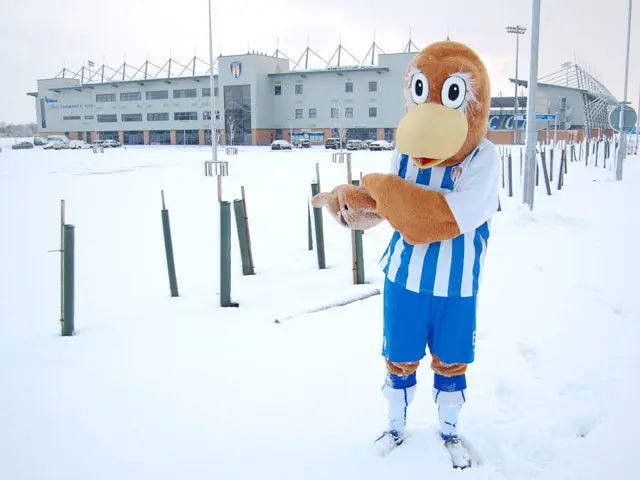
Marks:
<point>350,206</point>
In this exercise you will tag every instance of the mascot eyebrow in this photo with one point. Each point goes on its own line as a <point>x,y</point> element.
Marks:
<point>471,101</point>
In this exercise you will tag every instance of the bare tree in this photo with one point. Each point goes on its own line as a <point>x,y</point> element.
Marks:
<point>339,114</point>
<point>18,130</point>
<point>231,129</point>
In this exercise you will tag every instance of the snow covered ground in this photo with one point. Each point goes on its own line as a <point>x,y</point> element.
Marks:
<point>153,387</point>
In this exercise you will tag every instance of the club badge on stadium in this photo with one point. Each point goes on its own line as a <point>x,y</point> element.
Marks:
<point>236,69</point>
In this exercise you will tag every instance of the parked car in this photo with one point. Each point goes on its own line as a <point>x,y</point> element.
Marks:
<point>22,146</point>
<point>281,145</point>
<point>333,143</point>
<point>56,146</point>
<point>304,143</point>
<point>111,144</point>
<point>39,141</point>
<point>355,145</point>
<point>380,145</point>
<point>78,144</point>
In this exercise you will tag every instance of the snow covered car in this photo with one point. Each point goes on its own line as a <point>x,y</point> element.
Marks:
<point>380,145</point>
<point>355,145</point>
<point>78,144</point>
<point>22,146</point>
<point>56,146</point>
<point>281,145</point>
<point>333,143</point>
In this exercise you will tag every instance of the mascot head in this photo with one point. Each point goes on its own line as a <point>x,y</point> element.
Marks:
<point>448,98</point>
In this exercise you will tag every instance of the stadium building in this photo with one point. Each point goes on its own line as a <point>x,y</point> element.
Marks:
<point>260,98</point>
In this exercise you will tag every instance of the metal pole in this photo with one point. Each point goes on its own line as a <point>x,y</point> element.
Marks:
<point>530,158</point>
<point>515,111</point>
<point>68,321</point>
<point>214,146</point>
<point>622,150</point>
<point>518,30</point>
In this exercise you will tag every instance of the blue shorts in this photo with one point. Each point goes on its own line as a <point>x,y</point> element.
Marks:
<point>413,321</point>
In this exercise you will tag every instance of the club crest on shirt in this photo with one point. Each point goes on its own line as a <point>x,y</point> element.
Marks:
<point>455,173</point>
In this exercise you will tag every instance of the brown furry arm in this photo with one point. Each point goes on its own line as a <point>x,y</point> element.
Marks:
<point>421,216</point>
<point>350,206</point>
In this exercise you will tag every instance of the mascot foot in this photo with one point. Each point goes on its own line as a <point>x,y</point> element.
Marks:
<point>460,457</point>
<point>387,442</point>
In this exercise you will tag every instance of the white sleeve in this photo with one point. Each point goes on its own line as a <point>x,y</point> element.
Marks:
<point>395,159</point>
<point>475,199</point>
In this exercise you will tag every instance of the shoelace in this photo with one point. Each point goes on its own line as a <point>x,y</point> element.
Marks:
<point>452,441</point>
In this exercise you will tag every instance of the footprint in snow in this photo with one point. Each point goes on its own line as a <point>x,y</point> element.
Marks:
<point>528,352</point>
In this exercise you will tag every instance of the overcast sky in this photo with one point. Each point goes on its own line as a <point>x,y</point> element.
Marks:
<point>39,37</point>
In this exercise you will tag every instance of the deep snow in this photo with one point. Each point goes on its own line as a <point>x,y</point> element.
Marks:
<point>162,388</point>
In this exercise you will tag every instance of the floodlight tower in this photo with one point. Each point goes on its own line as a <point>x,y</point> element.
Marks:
<point>517,30</point>
<point>567,65</point>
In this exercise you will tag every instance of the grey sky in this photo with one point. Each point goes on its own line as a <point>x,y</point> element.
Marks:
<point>39,37</point>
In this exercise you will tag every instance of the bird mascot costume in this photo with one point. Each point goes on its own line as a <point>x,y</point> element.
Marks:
<point>439,199</point>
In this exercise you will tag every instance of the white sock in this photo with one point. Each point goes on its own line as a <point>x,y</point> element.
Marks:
<point>449,395</point>
<point>449,416</point>
<point>399,392</point>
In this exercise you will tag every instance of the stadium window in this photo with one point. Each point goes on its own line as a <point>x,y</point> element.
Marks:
<point>206,92</point>
<point>157,117</point>
<point>298,113</point>
<point>206,115</point>
<point>348,87</point>
<point>334,112</point>
<point>105,97</point>
<point>89,117</point>
<point>348,112</point>
<point>215,92</point>
<point>108,118</point>
<point>130,96</point>
<point>298,89</point>
<point>131,117</point>
<point>185,116</point>
<point>185,93</point>
<point>373,112</point>
<point>74,117</point>
<point>277,90</point>
<point>158,95</point>
<point>373,86</point>
<point>312,113</point>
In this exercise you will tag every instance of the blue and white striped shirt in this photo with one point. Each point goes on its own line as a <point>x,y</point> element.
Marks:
<point>449,268</point>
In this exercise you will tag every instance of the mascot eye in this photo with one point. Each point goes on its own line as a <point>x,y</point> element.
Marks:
<point>454,91</point>
<point>419,88</point>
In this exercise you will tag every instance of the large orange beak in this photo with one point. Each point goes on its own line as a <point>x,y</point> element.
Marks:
<point>431,133</point>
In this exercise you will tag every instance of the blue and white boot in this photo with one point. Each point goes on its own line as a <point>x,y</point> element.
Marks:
<point>449,395</point>
<point>399,392</point>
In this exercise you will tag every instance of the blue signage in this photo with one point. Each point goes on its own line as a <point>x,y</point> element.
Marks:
<point>78,105</point>
<point>505,122</point>
<point>50,100</point>
<point>72,105</point>
<point>540,116</point>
